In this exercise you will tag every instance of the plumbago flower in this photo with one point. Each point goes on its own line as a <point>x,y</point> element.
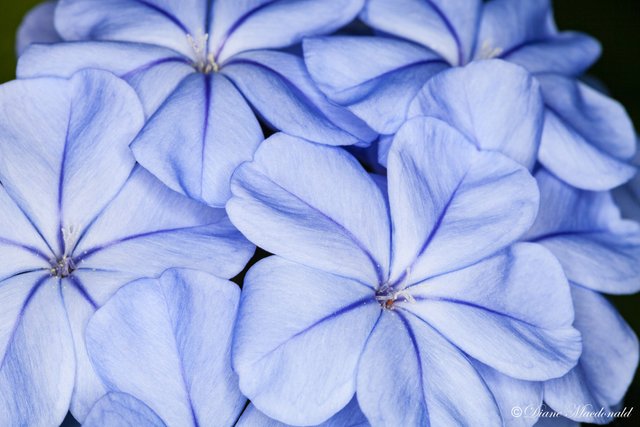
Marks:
<point>79,220</point>
<point>600,252</point>
<point>207,63</point>
<point>403,302</point>
<point>587,138</point>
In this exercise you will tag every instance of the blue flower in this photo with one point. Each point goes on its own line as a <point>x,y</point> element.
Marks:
<point>79,220</point>
<point>399,300</point>
<point>600,252</point>
<point>587,138</point>
<point>200,67</point>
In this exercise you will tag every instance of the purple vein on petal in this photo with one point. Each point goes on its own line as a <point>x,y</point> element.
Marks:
<point>149,65</point>
<point>82,290</point>
<point>63,162</point>
<point>23,309</point>
<point>164,13</point>
<point>447,23</point>
<point>434,230</point>
<point>241,20</point>
<point>28,248</point>
<point>416,349</point>
<point>205,128</point>
<point>90,252</point>
<point>349,234</point>
<point>343,310</point>
<point>294,88</point>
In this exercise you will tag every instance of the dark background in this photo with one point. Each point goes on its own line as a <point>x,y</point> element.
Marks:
<point>616,23</point>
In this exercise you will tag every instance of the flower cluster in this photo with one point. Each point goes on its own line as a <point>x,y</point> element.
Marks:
<point>433,209</point>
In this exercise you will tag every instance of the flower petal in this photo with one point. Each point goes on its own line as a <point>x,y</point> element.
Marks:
<point>37,27</point>
<point>298,339</point>
<point>148,228</point>
<point>350,416</point>
<point>446,26</point>
<point>496,105</point>
<point>378,91</point>
<point>281,90</point>
<point>22,249</point>
<point>588,138</point>
<point>197,154</point>
<point>313,204</point>
<point>59,128</point>
<point>160,22</point>
<point>154,72</point>
<point>524,32</point>
<point>410,375</point>
<point>447,218</point>
<point>159,341</point>
<point>583,229</point>
<point>492,311</point>
<point>37,364</point>
<point>607,365</point>
<point>264,24</point>
<point>122,410</point>
<point>511,393</point>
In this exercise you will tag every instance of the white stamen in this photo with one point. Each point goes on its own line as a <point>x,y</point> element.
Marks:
<point>487,51</point>
<point>204,61</point>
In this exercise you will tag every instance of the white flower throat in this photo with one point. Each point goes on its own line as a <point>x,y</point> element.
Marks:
<point>204,61</point>
<point>65,265</point>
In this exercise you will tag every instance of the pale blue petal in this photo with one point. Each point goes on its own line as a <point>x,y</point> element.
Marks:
<point>583,229</point>
<point>258,24</point>
<point>314,205</point>
<point>448,218</point>
<point>509,25</point>
<point>37,364</point>
<point>298,340</point>
<point>37,27</point>
<point>160,341</point>
<point>568,53</point>
<point>409,375</point>
<point>122,410</point>
<point>160,22</point>
<point>21,247</point>
<point>349,416</point>
<point>375,77</point>
<point>511,393</point>
<point>80,304</point>
<point>523,31</point>
<point>64,130</point>
<point>495,104</point>
<point>197,154</point>
<point>512,312</point>
<point>588,139</point>
<point>447,26</point>
<point>607,365</point>
<point>154,72</point>
<point>148,228</point>
<point>279,87</point>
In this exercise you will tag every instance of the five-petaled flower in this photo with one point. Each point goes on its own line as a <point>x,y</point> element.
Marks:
<point>79,220</point>
<point>407,301</point>
<point>200,67</point>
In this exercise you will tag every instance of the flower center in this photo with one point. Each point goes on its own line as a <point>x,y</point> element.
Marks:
<point>387,296</point>
<point>63,267</point>
<point>204,61</point>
